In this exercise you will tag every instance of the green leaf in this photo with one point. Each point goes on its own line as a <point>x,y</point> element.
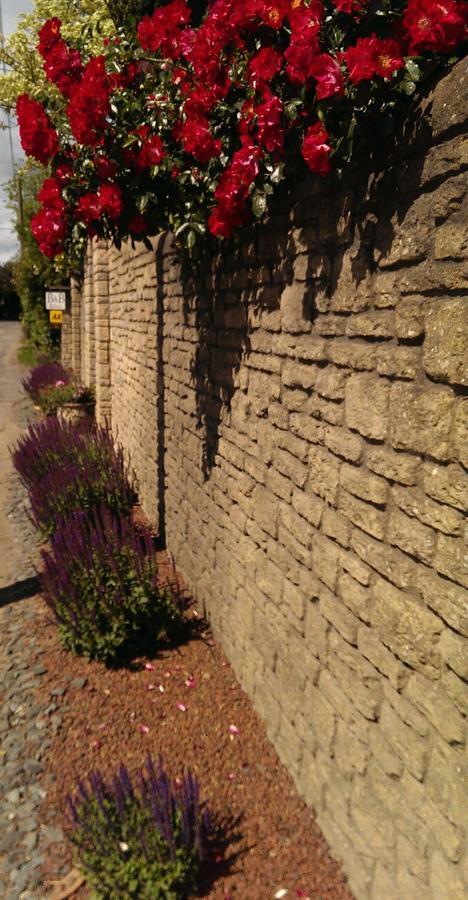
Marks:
<point>190,239</point>
<point>413,69</point>
<point>278,174</point>
<point>259,204</point>
<point>142,202</point>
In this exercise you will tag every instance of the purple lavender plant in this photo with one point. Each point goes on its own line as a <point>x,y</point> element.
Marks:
<point>154,836</point>
<point>44,376</point>
<point>67,467</point>
<point>47,445</point>
<point>100,582</point>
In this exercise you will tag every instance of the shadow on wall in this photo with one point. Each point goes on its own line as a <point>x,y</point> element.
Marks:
<point>310,237</point>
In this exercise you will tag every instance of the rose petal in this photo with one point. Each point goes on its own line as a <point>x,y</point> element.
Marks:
<point>96,745</point>
<point>143,729</point>
<point>233,729</point>
<point>161,688</point>
<point>150,687</point>
<point>231,776</point>
<point>181,707</point>
<point>190,683</point>
<point>281,893</point>
<point>149,667</point>
<point>167,674</point>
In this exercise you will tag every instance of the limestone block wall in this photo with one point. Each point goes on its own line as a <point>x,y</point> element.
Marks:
<point>297,414</point>
<point>315,457</point>
<point>133,343</point>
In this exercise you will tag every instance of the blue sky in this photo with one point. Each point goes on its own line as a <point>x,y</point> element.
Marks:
<point>11,10</point>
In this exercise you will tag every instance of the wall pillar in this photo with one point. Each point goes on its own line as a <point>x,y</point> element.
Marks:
<point>66,338</point>
<point>88,360</point>
<point>102,332</point>
<point>75,314</point>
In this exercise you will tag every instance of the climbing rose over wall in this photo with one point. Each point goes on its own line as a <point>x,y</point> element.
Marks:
<point>191,126</point>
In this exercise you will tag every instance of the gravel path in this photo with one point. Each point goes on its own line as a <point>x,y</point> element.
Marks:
<point>24,720</point>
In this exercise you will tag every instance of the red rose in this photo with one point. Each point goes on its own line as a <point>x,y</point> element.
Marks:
<point>354,8</point>
<point>233,191</point>
<point>38,137</point>
<point>264,65</point>
<point>138,225</point>
<point>49,227</point>
<point>105,168</point>
<point>315,149</point>
<point>49,35</point>
<point>327,73</point>
<point>196,139</point>
<point>110,200</point>
<point>433,26</point>
<point>50,195</point>
<point>372,56</point>
<point>62,66</point>
<point>304,45</point>
<point>88,209</point>
<point>275,12</point>
<point>63,171</point>
<point>89,107</point>
<point>162,31</point>
<point>270,130</point>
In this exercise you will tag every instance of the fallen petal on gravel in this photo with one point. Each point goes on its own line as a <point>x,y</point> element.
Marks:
<point>143,729</point>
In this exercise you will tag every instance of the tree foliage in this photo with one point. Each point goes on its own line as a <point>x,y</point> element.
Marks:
<point>32,271</point>
<point>9,300</point>
<point>84,23</point>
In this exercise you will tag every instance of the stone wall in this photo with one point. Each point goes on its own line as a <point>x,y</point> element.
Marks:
<point>133,335</point>
<point>296,412</point>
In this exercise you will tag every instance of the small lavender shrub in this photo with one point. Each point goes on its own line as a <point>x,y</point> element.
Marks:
<point>142,840</point>
<point>100,582</point>
<point>43,376</point>
<point>47,445</point>
<point>67,467</point>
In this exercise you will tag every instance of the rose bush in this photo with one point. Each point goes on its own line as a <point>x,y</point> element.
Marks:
<point>189,124</point>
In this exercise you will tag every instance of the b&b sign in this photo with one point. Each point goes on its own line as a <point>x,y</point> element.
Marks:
<point>55,300</point>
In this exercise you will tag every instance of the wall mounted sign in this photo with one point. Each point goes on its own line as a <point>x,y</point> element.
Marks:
<point>55,299</point>
<point>55,316</point>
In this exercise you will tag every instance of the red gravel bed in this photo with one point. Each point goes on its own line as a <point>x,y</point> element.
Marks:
<point>274,840</point>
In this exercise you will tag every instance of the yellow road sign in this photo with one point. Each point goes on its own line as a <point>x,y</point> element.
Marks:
<point>55,316</point>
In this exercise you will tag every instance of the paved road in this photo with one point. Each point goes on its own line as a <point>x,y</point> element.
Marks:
<point>11,404</point>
